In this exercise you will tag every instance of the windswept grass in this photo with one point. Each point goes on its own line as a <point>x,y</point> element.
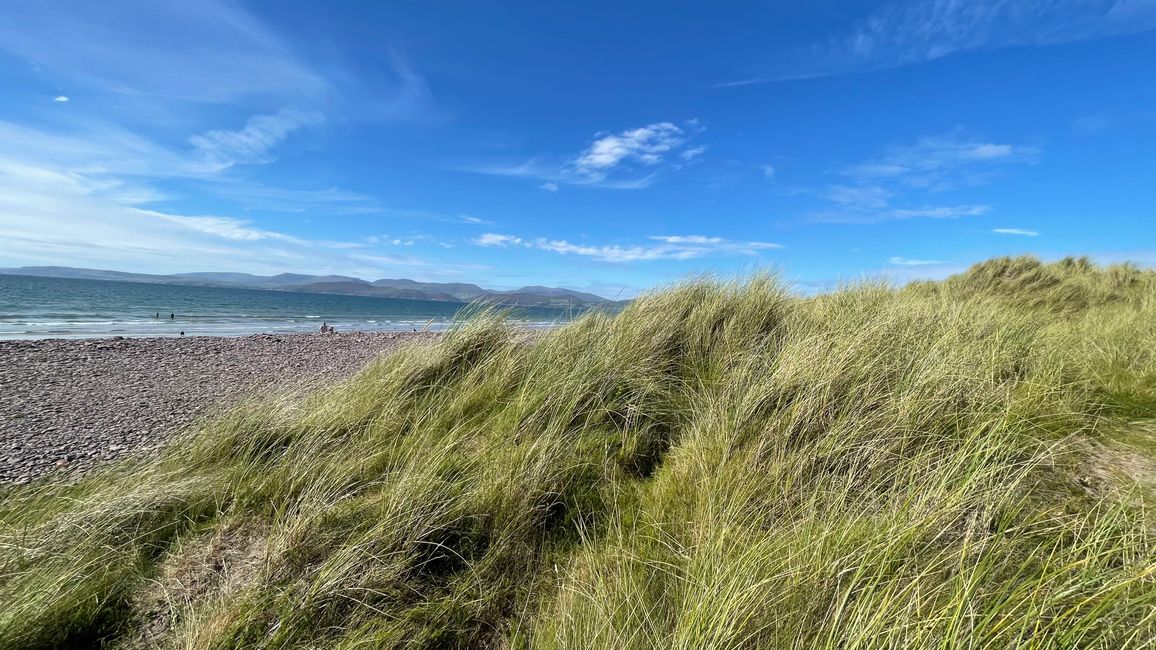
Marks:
<point>1072,284</point>
<point>722,465</point>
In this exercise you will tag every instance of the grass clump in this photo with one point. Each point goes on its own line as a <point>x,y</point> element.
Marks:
<point>1072,284</point>
<point>721,465</point>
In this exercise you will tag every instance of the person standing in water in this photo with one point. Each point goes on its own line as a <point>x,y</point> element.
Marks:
<point>172,316</point>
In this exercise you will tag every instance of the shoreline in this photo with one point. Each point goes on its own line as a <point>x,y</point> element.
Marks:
<point>67,404</point>
<point>409,328</point>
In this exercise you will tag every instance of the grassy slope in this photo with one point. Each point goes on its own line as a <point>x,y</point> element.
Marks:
<point>719,466</point>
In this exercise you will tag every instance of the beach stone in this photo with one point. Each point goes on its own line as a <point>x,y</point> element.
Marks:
<point>134,394</point>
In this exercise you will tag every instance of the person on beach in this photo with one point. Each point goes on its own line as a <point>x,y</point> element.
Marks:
<point>172,316</point>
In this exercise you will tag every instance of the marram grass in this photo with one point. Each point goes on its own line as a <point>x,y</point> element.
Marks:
<point>722,465</point>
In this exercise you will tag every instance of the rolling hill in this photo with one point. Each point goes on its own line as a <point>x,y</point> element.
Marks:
<point>336,284</point>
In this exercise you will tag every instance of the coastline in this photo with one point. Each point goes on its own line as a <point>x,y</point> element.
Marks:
<point>33,308</point>
<point>68,404</point>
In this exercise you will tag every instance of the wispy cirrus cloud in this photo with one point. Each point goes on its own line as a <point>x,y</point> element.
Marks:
<point>64,222</point>
<point>253,144</point>
<point>61,218</point>
<point>856,214</point>
<point>89,197</point>
<point>630,159</point>
<point>941,162</point>
<point>907,32</point>
<point>664,247</point>
<point>211,74</point>
<point>211,50</point>
<point>165,164</point>
<point>909,180</point>
<point>257,196</point>
<point>1022,232</point>
<point>241,230</point>
<point>108,159</point>
<point>471,219</point>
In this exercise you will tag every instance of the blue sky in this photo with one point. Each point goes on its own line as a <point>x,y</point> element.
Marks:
<point>601,146</point>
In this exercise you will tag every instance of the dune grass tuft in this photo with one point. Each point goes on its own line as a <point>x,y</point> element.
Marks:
<point>721,465</point>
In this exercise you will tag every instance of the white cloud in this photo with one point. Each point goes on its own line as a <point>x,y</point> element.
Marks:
<point>93,148</point>
<point>252,144</point>
<point>768,171</point>
<point>43,224</point>
<point>104,158</point>
<point>687,239</point>
<point>692,153</point>
<point>903,261</point>
<point>632,159</point>
<point>78,201</point>
<point>92,188</point>
<point>939,212</point>
<point>647,145</point>
<point>471,219</point>
<point>58,220</point>
<point>912,32</point>
<point>909,32</point>
<point>614,253</point>
<point>670,247</point>
<point>494,239</point>
<point>1016,231</point>
<point>226,228</point>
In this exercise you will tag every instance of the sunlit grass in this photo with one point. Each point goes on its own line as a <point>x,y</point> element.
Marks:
<point>722,465</point>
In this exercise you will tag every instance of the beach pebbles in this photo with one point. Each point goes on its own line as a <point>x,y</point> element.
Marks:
<point>66,405</point>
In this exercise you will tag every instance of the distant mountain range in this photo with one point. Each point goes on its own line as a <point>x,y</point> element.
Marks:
<point>445,291</point>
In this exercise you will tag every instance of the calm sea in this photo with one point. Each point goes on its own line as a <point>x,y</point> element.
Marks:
<point>32,308</point>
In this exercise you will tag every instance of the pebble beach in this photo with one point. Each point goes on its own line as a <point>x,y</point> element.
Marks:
<point>67,405</point>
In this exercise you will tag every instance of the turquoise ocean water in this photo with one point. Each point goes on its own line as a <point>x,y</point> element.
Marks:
<point>32,308</point>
